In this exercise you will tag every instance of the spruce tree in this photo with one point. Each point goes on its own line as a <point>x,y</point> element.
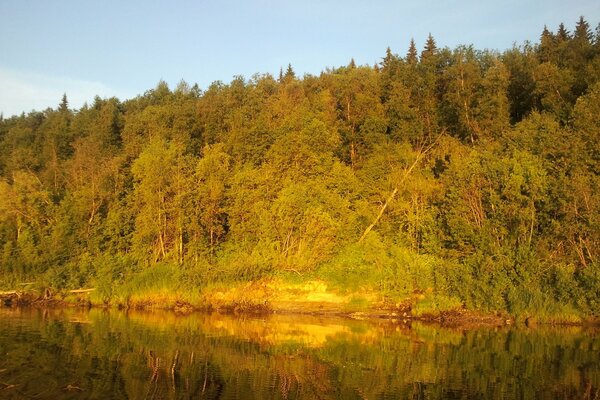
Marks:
<point>389,60</point>
<point>411,54</point>
<point>562,35</point>
<point>389,72</point>
<point>64,104</point>
<point>430,48</point>
<point>582,31</point>
<point>547,44</point>
<point>289,73</point>
<point>581,52</point>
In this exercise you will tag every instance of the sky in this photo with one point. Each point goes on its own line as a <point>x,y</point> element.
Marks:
<point>123,48</point>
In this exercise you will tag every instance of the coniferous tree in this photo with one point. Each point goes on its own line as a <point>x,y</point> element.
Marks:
<point>64,104</point>
<point>429,49</point>
<point>289,74</point>
<point>582,31</point>
<point>581,50</point>
<point>412,55</point>
<point>547,46</point>
<point>563,35</point>
<point>388,73</point>
<point>426,88</point>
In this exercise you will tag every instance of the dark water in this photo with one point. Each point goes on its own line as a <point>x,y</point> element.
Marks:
<point>102,355</point>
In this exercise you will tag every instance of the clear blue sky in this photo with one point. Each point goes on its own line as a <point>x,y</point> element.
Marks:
<point>125,47</point>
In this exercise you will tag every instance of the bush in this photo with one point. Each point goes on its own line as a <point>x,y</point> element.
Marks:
<point>434,304</point>
<point>588,280</point>
<point>394,270</point>
<point>111,272</point>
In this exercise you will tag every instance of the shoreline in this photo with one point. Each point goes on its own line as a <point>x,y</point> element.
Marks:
<point>455,318</point>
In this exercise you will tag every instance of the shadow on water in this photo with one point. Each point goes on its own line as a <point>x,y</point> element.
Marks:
<point>63,354</point>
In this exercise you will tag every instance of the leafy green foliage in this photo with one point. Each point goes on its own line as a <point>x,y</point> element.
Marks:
<point>478,172</point>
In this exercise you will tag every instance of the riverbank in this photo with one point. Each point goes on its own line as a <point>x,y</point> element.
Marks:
<point>274,296</point>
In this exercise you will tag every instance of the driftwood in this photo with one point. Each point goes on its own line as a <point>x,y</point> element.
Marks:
<point>73,387</point>
<point>47,294</point>
<point>80,321</point>
<point>7,386</point>
<point>7,298</point>
<point>21,297</point>
<point>82,290</point>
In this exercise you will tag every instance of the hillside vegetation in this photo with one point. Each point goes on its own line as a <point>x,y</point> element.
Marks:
<point>464,177</point>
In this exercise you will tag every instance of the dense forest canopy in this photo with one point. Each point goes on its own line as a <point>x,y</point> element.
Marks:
<point>471,174</point>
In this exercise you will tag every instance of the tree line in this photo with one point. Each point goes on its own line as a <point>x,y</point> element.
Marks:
<point>476,172</point>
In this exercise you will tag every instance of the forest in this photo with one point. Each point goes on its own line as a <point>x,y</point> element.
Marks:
<point>470,176</point>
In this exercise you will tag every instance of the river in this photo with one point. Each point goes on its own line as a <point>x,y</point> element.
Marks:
<point>100,354</point>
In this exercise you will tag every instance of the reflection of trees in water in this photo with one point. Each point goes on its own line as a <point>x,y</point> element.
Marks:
<point>181,376</point>
<point>110,355</point>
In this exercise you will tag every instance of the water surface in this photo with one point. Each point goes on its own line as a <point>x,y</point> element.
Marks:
<point>73,354</point>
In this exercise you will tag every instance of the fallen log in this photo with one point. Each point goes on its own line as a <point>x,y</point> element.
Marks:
<point>82,290</point>
<point>407,172</point>
<point>7,298</point>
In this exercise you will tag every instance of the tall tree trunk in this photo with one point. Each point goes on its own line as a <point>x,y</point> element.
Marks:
<point>180,245</point>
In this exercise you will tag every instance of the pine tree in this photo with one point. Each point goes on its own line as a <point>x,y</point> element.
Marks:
<point>581,52</point>
<point>289,73</point>
<point>64,104</point>
<point>547,44</point>
<point>582,31</point>
<point>562,45</point>
<point>430,48</point>
<point>389,72</point>
<point>562,35</point>
<point>411,54</point>
<point>389,60</point>
<point>195,90</point>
